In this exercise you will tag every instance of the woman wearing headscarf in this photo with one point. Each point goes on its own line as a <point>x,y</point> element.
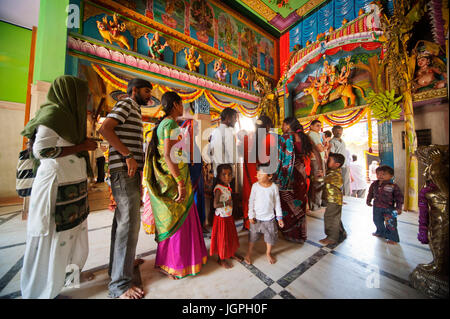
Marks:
<point>181,248</point>
<point>57,232</point>
<point>294,151</point>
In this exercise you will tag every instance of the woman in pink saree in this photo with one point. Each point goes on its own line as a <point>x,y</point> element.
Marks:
<point>181,248</point>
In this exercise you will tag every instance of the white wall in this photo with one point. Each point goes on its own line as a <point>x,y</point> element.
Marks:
<point>12,117</point>
<point>432,116</point>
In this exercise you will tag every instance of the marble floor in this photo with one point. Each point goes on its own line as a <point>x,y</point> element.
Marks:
<point>361,267</point>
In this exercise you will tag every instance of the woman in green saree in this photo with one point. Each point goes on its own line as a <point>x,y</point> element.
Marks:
<point>181,248</point>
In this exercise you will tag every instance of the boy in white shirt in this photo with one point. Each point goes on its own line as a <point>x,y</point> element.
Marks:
<point>264,200</point>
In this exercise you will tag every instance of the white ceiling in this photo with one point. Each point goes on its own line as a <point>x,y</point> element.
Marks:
<point>24,13</point>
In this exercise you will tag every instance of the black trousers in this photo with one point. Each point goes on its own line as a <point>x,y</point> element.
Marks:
<point>100,169</point>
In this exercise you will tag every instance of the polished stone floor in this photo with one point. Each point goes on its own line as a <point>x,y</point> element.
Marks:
<point>361,267</point>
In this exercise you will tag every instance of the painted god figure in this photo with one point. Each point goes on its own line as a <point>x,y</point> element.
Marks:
<point>243,78</point>
<point>328,87</point>
<point>221,70</point>
<point>427,74</point>
<point>111,31</point>
<point>155,48</point>
<point>192,62</point>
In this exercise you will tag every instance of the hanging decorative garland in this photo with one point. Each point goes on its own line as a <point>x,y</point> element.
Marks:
<point>187,96</point>
<point>345,119</point>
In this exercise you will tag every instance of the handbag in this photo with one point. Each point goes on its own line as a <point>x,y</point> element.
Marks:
<point>24,174</point>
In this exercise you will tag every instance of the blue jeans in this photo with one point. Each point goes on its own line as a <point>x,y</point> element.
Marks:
<point>125,231</point>
<point>385,219</point>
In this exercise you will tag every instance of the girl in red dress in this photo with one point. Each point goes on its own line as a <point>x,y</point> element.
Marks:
<point>224,238</point>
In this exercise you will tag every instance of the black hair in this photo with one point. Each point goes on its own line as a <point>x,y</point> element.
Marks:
<point>387,169</point>
<point>354,157</point>
<point>221,168</point>
<point>327,133</point>
<point>168,101</point>
<point>227,113</point>
<point>294,124</point>
<point>338,158</point>
<point>315,121</point>
<point>336,127</point>
<point>137,83</point>
<point>263,168</point>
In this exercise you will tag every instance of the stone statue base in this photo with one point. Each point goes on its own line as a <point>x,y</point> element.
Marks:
<point>429,284</point>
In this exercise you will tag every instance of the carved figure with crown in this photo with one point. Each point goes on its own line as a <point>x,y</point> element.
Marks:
<point>111,31</point>
<point>192,62</point>
<point>430,71</point>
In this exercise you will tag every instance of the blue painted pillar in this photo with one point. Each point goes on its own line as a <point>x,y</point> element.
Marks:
<point>385,146</point>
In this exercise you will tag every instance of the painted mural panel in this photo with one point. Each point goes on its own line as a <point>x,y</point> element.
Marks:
<point>207,22</point>
<point>335,84</point>
<point>170,13</point>
<point>201,21</point>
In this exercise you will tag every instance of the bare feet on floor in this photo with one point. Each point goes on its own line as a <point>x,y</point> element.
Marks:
<point>133,293</point>
<point>247,260</point>
<point>138,261</point>
<point>173,277</point>
<point>237,257</point>
<point>87,276</point>
<point>271,259</point>
<point>224,263</point>
<point>327,241</point>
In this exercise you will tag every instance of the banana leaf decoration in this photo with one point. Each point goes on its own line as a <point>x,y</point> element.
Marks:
<point>384,105</point>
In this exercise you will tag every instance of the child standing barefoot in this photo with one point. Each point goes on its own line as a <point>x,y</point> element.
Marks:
<point>224,238</point>
<point>333,184</point>
<point>264,199</point>
<point>387,204</point>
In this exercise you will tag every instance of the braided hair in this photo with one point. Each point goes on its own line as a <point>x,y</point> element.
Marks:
<point>168,101</point>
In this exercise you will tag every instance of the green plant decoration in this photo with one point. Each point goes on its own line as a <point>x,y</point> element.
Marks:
<point>384,105</point>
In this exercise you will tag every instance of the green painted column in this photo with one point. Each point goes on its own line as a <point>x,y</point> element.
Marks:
<point>50,58</point>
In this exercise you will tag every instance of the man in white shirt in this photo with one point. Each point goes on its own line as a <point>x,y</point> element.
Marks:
<point>338,146</point>
<point>222,147</point>
<point>358,181</point>
<point>315,193</point>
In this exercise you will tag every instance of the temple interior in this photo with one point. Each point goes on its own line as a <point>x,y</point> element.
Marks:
<point>342,62</point>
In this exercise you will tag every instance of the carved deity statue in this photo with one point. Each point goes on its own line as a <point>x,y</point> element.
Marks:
<point>243,78</point>
<point>268,98</point>
<point>155,48</point>
<point>428,73</point>
<point>221,70</point>
<point>432,278</point>
<point>192,62</point>
<point>111,31</point>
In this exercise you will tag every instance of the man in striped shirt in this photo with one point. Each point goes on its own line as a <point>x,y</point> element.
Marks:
<point>123,130</point>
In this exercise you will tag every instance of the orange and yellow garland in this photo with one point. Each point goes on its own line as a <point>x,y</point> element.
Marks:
<point>187,97</point>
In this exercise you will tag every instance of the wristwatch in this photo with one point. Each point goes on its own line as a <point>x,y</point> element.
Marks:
<point>130,155</point>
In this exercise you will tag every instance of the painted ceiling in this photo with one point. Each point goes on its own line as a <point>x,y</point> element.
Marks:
<point>274,18</point>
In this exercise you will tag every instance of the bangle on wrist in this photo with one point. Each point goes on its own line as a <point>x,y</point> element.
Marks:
<point>178,179</point>
<point>130,155</point>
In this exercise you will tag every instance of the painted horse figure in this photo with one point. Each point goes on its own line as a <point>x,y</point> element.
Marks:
<point>344,92</point>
